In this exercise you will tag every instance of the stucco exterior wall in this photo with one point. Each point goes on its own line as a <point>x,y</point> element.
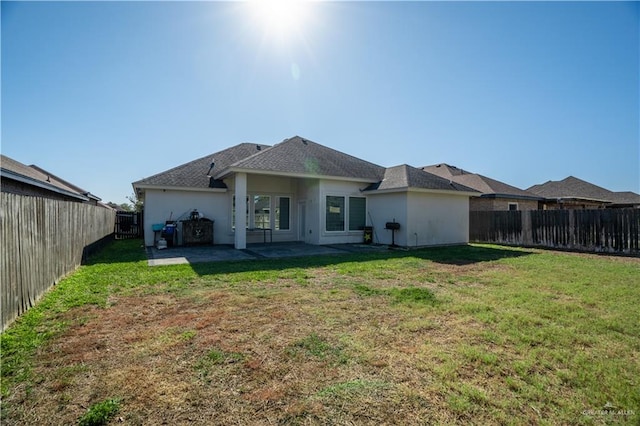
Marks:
<point>162,205</point>
<point>437,219</point>
<point>425,218</point>
<point>307,211</point>
<point>383,208</point>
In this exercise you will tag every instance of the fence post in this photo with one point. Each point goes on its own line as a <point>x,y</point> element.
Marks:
<point>527,236</point>
<point>571,234</point>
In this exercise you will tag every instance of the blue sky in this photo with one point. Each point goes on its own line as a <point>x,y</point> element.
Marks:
<point>106,93</point>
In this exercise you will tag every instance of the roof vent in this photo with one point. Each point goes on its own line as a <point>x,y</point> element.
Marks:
<point>258,147</point>
<point>211,167</point>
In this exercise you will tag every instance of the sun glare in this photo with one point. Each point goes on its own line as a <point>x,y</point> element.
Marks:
<point>279,18</point>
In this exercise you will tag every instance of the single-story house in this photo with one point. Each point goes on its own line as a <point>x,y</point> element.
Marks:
<point>494,195</point>
<point>18,178</point>
<point>299,190</point>
<point>574,193</point>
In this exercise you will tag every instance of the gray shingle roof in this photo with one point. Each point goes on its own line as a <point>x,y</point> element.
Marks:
<point>487,186</point>
<point>194,173</point>
<point>626,197</point>
<point>574,188</point>
<point>297,156</point>
<point>303,157</point>
<point>405,176</point>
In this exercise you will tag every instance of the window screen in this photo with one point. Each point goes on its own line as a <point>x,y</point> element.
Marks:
<point>335,213</point>
<point>261,211</point>
<point>357,213</point>
<point>282,213</point>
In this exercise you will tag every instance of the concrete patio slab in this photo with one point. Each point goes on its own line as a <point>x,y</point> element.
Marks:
<point>199,254</point>
<point>221,253</point>
<point>290,250</point>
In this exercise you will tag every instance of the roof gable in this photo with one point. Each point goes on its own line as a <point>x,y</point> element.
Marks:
<point>444,170</point>
<point>299,156</point>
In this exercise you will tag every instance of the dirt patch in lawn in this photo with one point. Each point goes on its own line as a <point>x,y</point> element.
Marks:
<point>237,358</point>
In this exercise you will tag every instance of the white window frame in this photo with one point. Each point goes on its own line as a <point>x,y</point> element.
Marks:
<point>513,204</point>
<point>346,213</point>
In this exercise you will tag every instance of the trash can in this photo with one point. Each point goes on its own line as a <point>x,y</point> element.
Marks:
<point>368,234</point>
<point>169,233</point>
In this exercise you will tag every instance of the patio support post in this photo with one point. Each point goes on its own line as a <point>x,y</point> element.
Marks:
<point>240,242</point>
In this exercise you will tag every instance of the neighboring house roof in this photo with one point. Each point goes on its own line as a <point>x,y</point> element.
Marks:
<point>301,157</point>
<point>405,176</point>
<point>35,176</point>
<point>195,174</point>
<point>626,197</point>
<point>67,183</point>
<point>490,188</point>
<point>572,188</point>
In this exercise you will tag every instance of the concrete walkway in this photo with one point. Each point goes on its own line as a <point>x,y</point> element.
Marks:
<point>220,253</point>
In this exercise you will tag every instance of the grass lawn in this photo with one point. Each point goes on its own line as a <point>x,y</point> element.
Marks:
<point>474,335</point>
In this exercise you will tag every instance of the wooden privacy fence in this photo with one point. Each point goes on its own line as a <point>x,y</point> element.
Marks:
<point>42,241</point>
<point>499,226</point>
<point>604,230</point>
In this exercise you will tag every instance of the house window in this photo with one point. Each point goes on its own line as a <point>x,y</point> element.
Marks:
<point>513,206</point>
<point>261,211</point>
<point>283,205</point>
<point>357,213</point>
<point>334,213</point>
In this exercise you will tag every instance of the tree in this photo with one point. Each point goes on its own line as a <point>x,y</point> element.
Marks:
<point>137,203</point>
<point>126,207</point>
